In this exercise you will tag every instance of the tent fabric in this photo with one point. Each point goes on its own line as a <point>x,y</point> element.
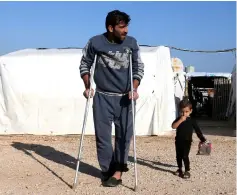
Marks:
<point>41,93</point>
<point>179,88</point>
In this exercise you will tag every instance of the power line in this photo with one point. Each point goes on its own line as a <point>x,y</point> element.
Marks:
<point>200,51</point>
<point>203,51</point>
<point>171,47</point>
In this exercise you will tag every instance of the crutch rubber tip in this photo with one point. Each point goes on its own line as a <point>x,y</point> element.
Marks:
<point>74,186</point>
<point>135,189</point>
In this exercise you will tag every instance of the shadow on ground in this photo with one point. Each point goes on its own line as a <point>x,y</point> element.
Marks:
<point>153,164</point>
<point>56,156</point>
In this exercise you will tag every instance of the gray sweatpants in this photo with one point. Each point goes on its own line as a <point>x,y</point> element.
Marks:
<point>108,109</point>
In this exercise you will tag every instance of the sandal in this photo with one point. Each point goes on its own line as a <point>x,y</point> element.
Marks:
<point>112,182</point>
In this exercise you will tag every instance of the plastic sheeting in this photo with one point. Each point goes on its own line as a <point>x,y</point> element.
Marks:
<point>41,93</point>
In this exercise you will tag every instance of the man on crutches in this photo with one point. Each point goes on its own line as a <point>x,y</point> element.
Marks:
<point>115,52</point>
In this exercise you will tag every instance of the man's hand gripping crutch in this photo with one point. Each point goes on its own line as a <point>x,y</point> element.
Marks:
<point>88,94</point>
<point>133,95</point>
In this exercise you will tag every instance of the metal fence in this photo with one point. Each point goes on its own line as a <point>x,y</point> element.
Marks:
<point>221,98</point>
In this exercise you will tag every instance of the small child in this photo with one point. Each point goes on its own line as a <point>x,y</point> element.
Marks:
<point>184,126</point>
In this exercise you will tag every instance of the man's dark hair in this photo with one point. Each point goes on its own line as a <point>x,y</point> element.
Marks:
<point>185,103</point>
<point>113,18</point>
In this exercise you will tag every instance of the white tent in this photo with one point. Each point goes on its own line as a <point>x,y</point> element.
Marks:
<point>41,93</point>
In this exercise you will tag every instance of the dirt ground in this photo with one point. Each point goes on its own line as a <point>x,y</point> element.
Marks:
<point>46,165</point>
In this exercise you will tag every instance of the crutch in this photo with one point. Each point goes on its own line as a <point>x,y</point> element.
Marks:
<point>133,119</point>
<point>84,124</point>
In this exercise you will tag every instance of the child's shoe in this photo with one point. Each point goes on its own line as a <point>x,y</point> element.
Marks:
<point>179,173</point>
<point>186,175</point>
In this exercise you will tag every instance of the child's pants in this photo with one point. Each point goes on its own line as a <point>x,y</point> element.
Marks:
<point>182,153</point>
<point>108,109</point>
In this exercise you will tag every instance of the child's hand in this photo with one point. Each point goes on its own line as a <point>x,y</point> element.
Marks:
<point>183,118</point>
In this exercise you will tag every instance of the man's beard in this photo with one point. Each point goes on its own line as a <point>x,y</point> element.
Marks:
<point>118,39</point>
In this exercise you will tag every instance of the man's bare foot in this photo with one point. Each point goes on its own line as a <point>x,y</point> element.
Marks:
<point>117,175</point>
